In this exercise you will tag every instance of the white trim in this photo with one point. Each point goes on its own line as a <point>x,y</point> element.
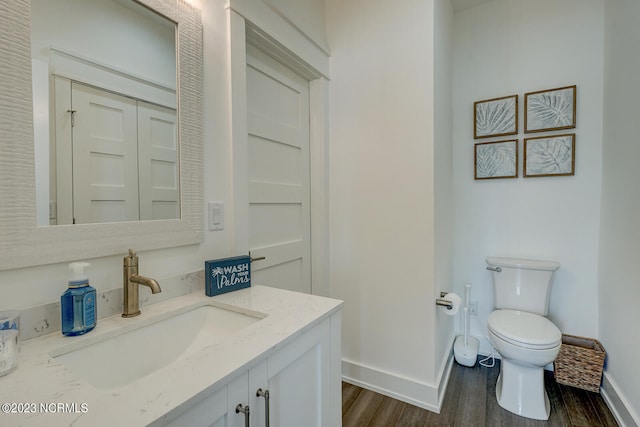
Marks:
<point>239,150</point>
<point>616,402</point>
<point>445,373</point>
<point>75,67</point>
<point>417,393</point>
<point>409,390</point>
<point>336,369</point>
<point>319,185</point>
<point>265,17</point>
<point>270,46</point>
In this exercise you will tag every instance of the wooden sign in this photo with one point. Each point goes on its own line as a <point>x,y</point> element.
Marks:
<point>227,274</point>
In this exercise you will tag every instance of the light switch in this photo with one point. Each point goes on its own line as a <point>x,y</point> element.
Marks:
<point>53,209</point>
<point>216,216</point>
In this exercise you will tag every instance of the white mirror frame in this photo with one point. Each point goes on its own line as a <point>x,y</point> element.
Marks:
<point>24,244</point>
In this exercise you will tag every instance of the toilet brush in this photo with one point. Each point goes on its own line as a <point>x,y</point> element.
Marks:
<point>465,348</point>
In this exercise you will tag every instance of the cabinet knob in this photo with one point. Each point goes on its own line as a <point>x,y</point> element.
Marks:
<point>245,411</point>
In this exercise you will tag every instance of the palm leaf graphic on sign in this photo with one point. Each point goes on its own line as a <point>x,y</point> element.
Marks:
<point>217,271</point>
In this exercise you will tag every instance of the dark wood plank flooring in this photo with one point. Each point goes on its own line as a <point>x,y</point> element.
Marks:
<point>470,401</point>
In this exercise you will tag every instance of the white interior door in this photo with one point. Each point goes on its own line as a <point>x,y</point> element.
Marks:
<point>158,162</point>
<point>105,156</point>
<point>278,151</point>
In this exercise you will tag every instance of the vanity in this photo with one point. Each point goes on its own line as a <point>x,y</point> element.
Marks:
<point>188,361</point>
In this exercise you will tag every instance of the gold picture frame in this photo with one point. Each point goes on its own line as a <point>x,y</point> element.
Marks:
<point>553,155</point>
<point>493,160</point>
<point>551,109</point>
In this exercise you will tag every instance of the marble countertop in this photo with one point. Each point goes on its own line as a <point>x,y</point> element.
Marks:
<point>43,383</point>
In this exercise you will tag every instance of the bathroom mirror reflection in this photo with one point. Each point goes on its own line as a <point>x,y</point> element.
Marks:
<point>24,243</point>
<point>105,112</point>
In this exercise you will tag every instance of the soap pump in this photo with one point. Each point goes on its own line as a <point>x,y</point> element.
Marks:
<point>78,303</point>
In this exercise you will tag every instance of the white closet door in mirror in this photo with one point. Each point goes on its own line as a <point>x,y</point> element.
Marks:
<point>158,162</point>
<point>105,156</point>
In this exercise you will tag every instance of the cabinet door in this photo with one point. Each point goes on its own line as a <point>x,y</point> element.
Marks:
<point>298,379</point>
<point>215,410</point>
<point>237,394</point>
<point>208,412</point>
<point>303,380</point>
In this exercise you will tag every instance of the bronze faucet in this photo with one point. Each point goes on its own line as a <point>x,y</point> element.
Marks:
<point>131,282</point>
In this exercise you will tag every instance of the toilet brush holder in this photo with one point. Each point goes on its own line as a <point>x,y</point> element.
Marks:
<point>465,348</point>
<point>466,354</point>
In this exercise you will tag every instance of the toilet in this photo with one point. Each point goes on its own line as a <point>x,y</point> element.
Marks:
<point>521,334</point>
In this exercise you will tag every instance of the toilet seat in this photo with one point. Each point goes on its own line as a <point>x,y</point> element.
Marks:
<point>523,329</point>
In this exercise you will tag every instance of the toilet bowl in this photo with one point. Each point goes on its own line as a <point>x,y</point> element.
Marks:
<point>522,335</point>
<point>527,343</point>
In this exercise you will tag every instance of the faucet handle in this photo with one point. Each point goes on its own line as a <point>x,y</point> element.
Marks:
<point>131,259</point>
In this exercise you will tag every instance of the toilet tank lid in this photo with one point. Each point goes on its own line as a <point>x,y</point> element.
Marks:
<point>526,264</point>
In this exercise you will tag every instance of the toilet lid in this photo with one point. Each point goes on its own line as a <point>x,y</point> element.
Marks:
<point>524,329</point>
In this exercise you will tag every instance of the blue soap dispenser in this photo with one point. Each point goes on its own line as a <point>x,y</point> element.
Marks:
<point>78,303</point>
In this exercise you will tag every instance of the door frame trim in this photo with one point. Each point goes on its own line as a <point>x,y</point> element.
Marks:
<point>242,32</point>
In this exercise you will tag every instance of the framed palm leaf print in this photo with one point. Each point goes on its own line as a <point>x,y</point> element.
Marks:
<point>495,117</point>
<point>551,109</point>
<point>496,159</point>
<point>550,155</point>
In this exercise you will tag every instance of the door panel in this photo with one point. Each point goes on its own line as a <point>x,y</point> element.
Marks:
<point>275,223</point>
<point>278,158</point>
<point>284,164</point>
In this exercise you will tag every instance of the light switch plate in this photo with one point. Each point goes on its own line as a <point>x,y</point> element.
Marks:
<point>216,216</point>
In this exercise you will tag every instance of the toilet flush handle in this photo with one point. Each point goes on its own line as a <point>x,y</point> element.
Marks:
<point>493,268</point>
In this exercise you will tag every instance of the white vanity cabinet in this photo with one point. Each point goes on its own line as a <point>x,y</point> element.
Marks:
<point>303,382</point>
<point>292,348</point>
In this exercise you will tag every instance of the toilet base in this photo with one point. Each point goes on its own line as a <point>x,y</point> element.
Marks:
<point>520,389</point>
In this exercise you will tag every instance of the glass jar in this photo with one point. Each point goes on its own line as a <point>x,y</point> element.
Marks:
<point>9,341</point>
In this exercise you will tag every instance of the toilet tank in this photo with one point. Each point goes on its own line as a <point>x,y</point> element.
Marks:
<point>522,284</point>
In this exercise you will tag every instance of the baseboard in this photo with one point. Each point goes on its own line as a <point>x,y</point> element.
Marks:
<point>617,403</point>
<point>417,393</point>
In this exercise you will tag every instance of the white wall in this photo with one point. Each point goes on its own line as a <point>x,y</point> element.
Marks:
<point>508,47</point>
<point>382,183</point>
<point>443,149</point>
<point>107,33</point>
<point>619,292</point>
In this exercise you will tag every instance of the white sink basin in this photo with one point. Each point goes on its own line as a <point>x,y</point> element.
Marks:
<point>119,357</point>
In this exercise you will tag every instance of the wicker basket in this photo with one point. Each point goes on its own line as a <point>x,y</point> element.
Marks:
<point>580,363</point>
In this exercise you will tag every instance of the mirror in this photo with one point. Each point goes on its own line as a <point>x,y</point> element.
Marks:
<point>22,242</point>
<point>105,122</point>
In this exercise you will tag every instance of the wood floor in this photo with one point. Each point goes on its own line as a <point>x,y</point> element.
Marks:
<point>470,401</point>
